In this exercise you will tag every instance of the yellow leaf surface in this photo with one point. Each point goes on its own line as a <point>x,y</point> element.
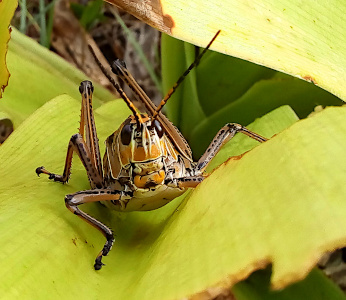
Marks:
<point>281,203</point>
<point>7,8</point>
<point>305,39</point>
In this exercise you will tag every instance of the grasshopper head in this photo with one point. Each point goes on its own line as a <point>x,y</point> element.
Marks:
<point>141,144</point>
<point>143,147</point>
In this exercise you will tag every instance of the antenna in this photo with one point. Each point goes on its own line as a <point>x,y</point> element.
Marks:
<point>122,94</point>
<point>182,77</point>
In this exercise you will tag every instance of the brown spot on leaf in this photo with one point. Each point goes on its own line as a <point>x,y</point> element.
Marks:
<point>149,11</point>
<point>238,157</point>
<point>310,79</point>
<point>74,241</point>
<point>214,293</point>
<point>168,21</point>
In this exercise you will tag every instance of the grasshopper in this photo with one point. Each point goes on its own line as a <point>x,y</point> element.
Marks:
<point>147,162</point>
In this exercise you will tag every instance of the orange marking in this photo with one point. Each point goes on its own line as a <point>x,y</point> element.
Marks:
<point>142,181</point>
<point>310,79</point>
<point>159,177</point>
<point>125,155</point>
<point>163,147</point>
<point>140,155</point>
<point>155,151</point>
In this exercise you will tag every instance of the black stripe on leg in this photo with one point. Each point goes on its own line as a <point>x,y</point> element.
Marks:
<point>83,154</point>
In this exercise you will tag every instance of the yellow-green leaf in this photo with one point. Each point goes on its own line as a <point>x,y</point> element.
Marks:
<point>305,39</point>
<point>248,213</point>
<point>315,286</point>
<point>7,9</point>
<point>224,88</point>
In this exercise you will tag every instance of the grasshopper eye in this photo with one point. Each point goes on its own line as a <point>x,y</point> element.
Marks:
<point>156,124</point>
<point>126,134</point>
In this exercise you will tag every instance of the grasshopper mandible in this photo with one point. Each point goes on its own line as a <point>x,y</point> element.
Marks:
<point>147,162</point>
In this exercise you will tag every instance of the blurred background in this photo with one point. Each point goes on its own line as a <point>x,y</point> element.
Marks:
<point>67,27</point>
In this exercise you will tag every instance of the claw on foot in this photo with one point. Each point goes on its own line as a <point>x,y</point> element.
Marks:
<point>98,263</point>
<point>104,252</point>
<point>39,171</point>
<point>42,170</point>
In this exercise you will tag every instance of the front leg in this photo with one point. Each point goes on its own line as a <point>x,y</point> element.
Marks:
<point>222,137</point>
<point>73,200</point>
<point>77,145</point>
<point>85,143</point>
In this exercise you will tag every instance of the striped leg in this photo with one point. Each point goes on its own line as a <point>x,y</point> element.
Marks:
<point>85,143</point>
<point>185,182</point>
<point>222,137</point>
<point>73,200</point>
<point>77,145</point>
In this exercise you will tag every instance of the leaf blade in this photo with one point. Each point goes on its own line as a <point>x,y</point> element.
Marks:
<point>163,241</point>
<point>305,40</point>
<point>7,9</point>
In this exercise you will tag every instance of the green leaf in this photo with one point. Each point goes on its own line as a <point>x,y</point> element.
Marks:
<point>305,40</point>
<point>159,254</point>
<point>223,89</point>
<point>212,237</point>
<point>314,286</point>
<point>91,12</point>
<point>7,9</point>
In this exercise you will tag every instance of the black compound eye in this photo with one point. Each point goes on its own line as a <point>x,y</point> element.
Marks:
<point>126,134</point>
<point>156,124</point>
